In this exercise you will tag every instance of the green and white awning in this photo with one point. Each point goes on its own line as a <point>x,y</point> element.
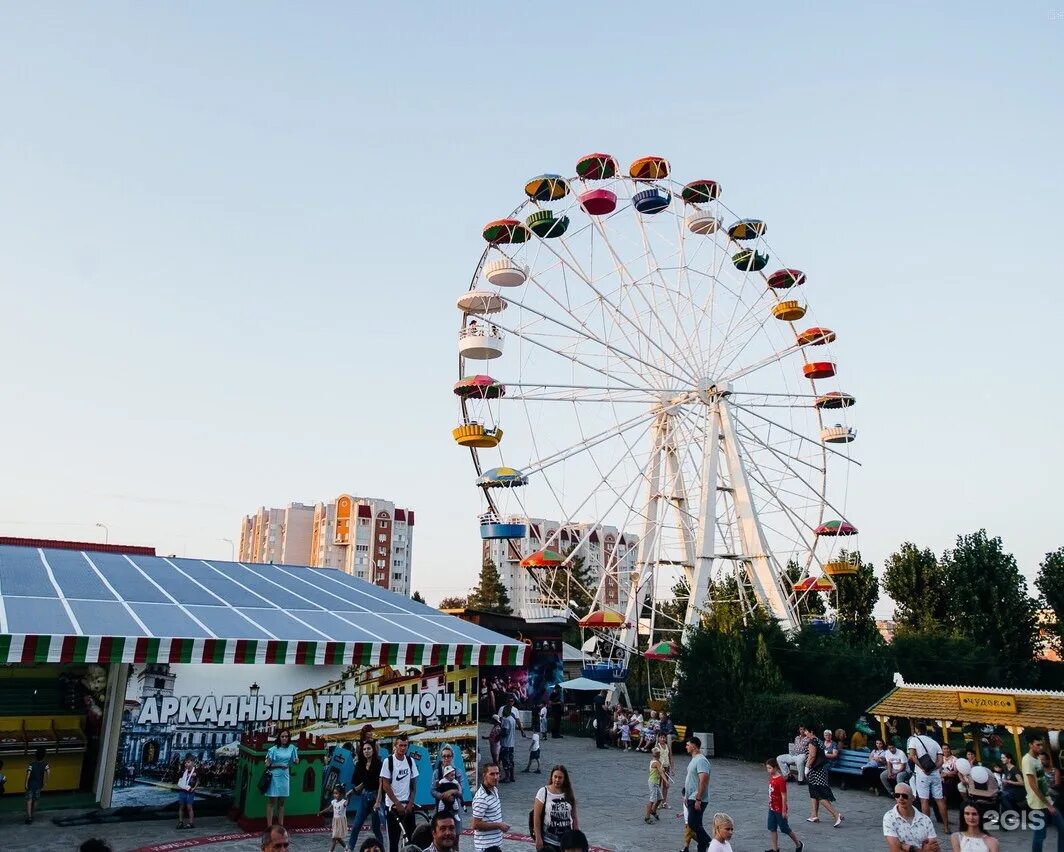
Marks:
<point>63,606</point>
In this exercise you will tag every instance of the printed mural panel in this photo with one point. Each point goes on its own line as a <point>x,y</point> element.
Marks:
<point>224,715</point>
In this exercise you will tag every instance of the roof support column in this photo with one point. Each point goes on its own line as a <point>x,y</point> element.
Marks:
<point>114,703</point>
<point>1016,730</point>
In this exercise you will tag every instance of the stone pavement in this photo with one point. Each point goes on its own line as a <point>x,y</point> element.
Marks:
<point>611,795</point>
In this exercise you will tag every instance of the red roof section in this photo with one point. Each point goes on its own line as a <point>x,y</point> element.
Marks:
<point>364,511</point>
<point>90,546</point>
<point>400,515</point>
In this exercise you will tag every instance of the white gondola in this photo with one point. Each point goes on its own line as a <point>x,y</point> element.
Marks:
<point>481,302</point>
<point>837,434</point>
<point>702,223</point>
<point>480,342</point>
<point>505,273</point>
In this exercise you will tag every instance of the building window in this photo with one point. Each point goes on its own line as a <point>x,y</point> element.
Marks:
<point>363,522</point>
<point>382,537</point>
<point>160,683</point>
<point>380,563</point>
<point>362,548</point>
<point>397,576</point>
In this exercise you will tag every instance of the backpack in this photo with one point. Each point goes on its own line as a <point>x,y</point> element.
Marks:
<point>532,815</point>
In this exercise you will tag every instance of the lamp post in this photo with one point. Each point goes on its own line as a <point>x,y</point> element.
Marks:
<point>254,690</point>
<point>232,551</point>
<point>106,532</point>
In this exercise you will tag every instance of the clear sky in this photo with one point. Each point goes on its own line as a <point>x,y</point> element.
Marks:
<point>231,236</point>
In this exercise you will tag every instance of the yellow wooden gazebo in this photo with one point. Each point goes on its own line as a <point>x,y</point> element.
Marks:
<point>952,706</point>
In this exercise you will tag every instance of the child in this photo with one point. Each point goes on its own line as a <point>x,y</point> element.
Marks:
<point>338,805</point>
<point>36,773</point>
<point>533,752</point>
<point>688,832</point>
<point>723,829</point>
<point>186,793</point>
<point>654,783</point>
<point>777,806</point>
<point>666,769</point>
<point>626,735</point>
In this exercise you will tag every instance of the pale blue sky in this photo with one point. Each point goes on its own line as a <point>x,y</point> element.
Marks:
<point>231,236</point>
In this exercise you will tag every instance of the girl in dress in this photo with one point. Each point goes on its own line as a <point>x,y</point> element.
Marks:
<point>723,829</point>
<point>972,838</point>
<point>338,806</point>
<point>279,758</point>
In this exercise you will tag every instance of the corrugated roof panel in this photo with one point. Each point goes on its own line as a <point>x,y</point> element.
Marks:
<point>23,573</point>
<point>38,615</point>
<point>127,579</point>
<point>104,618</point>
<point>226,589</point>
<point>169,620</point>
<point>339,629</point>
<point>283,626</point>
<point>175,583</point>
<point>279,590</point>
<point>68,568</point>
<point>226,622</point>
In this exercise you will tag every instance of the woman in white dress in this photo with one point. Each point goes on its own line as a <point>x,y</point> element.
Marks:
<point>972,838</point>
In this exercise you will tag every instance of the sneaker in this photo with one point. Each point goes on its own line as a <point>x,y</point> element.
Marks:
<point>838,822</point>
<point>812,819</point>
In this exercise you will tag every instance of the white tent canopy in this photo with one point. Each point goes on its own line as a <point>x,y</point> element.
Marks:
<point>585,684</point>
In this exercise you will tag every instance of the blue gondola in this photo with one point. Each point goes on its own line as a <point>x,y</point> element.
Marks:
<point>491,531</point>
<point>651,200</point>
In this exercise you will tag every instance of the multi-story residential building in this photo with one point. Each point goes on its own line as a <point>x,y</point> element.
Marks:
<point>277,535</point>
<point>366,537</point>
<point>609,558</point>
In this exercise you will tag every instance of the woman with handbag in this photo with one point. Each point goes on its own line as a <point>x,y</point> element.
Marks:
<point>554,811</point>
<point>366,792</point>
<point>281,755</point>
<point>816,776</point>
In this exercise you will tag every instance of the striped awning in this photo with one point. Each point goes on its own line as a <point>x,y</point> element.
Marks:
<point>60,606</point>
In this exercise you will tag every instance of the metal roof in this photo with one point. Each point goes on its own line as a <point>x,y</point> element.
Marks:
<point>76,606</point>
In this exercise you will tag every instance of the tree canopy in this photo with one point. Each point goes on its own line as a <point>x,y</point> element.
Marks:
<point>490,593</point>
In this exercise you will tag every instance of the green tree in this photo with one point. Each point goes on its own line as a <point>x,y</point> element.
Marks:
<point>725,608</point>
<point>417,597</point>
<point>490,593</point>
<point>989,603</point>
<point>1050,584</point>
<point>453,602</point>
<point>916,582</point>
<point>856,596</point>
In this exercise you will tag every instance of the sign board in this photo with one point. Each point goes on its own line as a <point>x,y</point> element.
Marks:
<point>984,702</point>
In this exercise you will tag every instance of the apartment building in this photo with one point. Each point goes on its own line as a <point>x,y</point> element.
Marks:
<point>366,537</point>
<point>609,558</point>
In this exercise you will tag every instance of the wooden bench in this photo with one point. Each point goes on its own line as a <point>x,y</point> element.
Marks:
<point>851,763</point>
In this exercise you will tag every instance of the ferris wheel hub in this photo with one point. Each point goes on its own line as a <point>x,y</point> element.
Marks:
<point>710,391</point>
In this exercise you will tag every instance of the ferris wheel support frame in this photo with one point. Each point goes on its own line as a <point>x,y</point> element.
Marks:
<point>720,436</point>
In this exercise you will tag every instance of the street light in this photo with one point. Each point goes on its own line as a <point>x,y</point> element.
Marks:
<point>106,532</point>
<point>232,549</point>
<point>254,689</point>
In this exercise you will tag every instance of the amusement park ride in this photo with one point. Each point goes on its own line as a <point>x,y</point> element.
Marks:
<point>654,374</point>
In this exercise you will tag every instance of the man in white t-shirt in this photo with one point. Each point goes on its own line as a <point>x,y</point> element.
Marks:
<point>399,784</point>
<point>928,784</point>
<point>543,718</point>
<point>488,827</point>
<point>905,828</point>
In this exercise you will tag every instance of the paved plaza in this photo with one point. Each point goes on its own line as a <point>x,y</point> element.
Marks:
<point>610,788</point>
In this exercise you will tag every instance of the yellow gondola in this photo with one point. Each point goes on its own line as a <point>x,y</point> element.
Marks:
<point>835,569</point>
<point>475,435</point>
<point>788,311</point>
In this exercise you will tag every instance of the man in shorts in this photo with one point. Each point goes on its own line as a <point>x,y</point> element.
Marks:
<point>927,783</point>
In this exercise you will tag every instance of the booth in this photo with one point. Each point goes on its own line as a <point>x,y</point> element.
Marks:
<point>951,707</point>
<point>122,665</point>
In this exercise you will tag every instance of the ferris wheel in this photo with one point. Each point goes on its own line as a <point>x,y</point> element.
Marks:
<point>667,404</point>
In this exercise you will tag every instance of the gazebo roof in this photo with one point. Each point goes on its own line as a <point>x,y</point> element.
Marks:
<point>1033,708</point>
